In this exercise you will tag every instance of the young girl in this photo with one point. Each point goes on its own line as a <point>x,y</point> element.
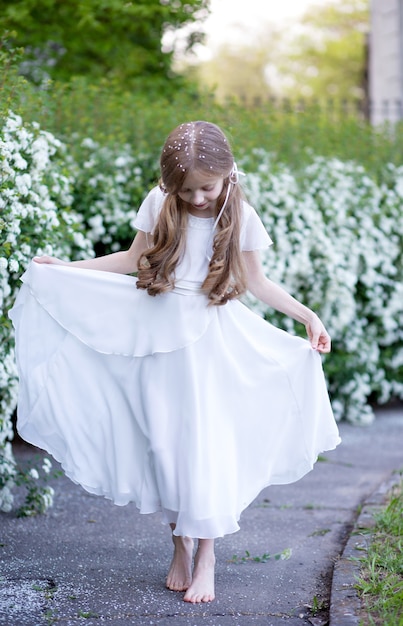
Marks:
<point>164,389</point>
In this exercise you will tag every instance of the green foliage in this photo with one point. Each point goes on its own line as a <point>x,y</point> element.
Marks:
<point>318,605</point>
<point>291,131</point>
<point>38,496</point>
<point>238,70</point>
<point>338,247</point>
<point>330,53</point>
<point>110,183</point>
<point>381,579</point>
<point>113,38</point>
<point>36,217</point>
<point>325,57</point>
<point>284,555</point>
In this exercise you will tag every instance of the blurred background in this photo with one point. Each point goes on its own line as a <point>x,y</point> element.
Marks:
<point>98,65</point>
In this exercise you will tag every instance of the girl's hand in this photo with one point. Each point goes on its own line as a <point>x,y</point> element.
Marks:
<point>318,335</point>
<point>52,260</point>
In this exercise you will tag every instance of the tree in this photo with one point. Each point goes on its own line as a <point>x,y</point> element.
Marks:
<point>321,56</point>
<point>241,71</point>
<point>117,39</point>
<point>328,58</point>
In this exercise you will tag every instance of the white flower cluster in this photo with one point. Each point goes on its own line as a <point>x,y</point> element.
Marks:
<point>338,246</point>
<point>35,218</point>
<point>110,186</point>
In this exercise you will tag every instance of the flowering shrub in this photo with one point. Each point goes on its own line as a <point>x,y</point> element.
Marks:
<point>338,246</point>
<point>35,218</point>
<point>38,497</point>
<point>109,186</point>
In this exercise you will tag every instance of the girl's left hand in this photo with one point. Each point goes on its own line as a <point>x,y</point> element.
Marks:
<point>51,260</point>
<point>318,335</point>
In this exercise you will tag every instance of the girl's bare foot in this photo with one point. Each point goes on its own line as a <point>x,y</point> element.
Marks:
<point>180,573</point>
<point>202,587</point>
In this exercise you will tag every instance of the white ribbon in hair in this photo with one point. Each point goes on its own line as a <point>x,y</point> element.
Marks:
<point>233,179</point>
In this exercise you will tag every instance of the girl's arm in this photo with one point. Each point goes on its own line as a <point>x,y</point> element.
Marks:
<point>123,262</point>
<point>276,297</point>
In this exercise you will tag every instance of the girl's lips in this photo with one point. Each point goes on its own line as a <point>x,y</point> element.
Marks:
<point>200,206</point>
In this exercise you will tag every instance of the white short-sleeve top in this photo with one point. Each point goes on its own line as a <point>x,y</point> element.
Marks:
<point>194,264</point>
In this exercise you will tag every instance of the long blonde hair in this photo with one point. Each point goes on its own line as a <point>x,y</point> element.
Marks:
<point>201,147</point>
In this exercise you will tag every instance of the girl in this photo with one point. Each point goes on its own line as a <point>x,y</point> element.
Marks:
<point>164,389</point>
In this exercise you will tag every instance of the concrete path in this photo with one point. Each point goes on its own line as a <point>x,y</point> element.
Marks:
<point>89,562</point>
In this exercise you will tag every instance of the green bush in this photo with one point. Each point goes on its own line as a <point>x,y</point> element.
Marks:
<point>290,131</point>
<point>338,247</point>
<point>110,183</point>
<point>36,217</point>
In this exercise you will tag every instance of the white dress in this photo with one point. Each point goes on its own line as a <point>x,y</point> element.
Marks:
<point>179,407</point>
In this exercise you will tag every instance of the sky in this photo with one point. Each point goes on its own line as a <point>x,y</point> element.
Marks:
<point>227,15</point>
<point>251,11</point>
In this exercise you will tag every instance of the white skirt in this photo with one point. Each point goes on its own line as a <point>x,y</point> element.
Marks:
<point>165,401</point>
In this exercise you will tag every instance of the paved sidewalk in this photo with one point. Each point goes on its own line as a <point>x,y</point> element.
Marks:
<point>89,562</point>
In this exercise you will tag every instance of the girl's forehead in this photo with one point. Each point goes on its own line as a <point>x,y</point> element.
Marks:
<point>199,177</point>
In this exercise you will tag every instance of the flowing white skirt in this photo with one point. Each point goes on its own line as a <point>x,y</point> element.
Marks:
<point>164,401</point>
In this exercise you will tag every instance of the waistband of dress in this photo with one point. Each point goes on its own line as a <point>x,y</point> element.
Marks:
<point>188,288</point>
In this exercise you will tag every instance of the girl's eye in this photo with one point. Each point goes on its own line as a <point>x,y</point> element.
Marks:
<point>205,188</point>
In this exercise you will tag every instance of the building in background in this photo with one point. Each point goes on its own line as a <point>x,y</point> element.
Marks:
<point>386,61</point>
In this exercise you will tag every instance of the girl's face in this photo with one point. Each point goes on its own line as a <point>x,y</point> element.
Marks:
<point>200,191</point>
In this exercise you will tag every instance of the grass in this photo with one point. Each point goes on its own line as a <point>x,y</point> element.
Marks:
<point>81,109</point>
<point>381,580</point>
<point>279,556</point>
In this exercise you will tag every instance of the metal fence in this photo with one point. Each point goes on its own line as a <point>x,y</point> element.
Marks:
<point>376,112</point>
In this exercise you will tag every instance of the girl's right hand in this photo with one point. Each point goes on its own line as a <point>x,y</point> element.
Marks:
<point>52,260</point>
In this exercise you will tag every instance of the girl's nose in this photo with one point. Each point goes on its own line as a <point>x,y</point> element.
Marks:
<point>198,197</point>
